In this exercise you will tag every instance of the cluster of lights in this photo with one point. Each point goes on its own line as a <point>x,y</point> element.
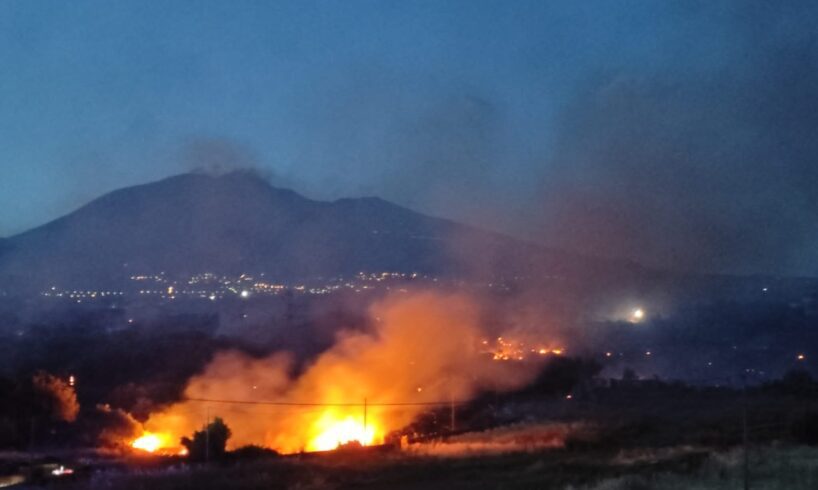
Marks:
<point>79,294</point>
<point>215,287</point>
<point>155,278</point>
<point>383,276</point>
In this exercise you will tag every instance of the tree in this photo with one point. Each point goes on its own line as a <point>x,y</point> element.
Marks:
<point>8,413</point>
<point>210,443</point>
<point>629,375</point>
<point>798,382</point>
<point>805,428</point>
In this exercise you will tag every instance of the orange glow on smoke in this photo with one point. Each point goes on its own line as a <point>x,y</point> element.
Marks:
<point>425,347</point>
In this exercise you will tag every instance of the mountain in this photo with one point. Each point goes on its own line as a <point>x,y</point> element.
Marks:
<point>238,223</point>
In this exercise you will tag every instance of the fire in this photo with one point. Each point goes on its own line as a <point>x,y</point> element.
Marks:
<point>517,350</point>
<point>152,442</point>
<point>334,430</point>
<point>421,340</point>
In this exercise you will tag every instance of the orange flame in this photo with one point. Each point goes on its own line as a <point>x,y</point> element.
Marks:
<point>334,430</point>
<point>149,442</point>
<point>157,443</point>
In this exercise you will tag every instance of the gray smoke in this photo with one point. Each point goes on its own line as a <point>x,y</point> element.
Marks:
<point>709,167</point>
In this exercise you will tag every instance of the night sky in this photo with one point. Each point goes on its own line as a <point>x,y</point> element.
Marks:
<point>678,134</point>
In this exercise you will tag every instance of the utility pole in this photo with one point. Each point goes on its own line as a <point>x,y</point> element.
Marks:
<point>31,441</point>
<point>451,405</point>
<point>745,436</point>
<point>207,435</point>
<point>451,413</point>
<point>364,438</point>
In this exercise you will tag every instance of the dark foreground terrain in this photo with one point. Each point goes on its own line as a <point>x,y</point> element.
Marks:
<point>788,467</point>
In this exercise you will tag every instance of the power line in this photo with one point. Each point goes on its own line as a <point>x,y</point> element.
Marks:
<point>313,404</point>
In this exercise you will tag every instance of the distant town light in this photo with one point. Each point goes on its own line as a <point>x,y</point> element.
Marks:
<point>637,315</point>
<point>245,294</point>
<point>801,357</point>
<point>62,470</point>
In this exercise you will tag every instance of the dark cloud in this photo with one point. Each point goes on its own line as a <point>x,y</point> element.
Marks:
<point>435,147</point>
<point>454,148</point>
<point>690,145</point>
<point>697,169</point>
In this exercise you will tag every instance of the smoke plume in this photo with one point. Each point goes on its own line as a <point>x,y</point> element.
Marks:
<point>424,347</point>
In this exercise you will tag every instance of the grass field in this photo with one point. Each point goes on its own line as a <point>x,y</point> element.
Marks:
<point>791,468</point>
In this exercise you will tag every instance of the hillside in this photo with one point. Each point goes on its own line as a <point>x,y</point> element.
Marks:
<point>237,223</point>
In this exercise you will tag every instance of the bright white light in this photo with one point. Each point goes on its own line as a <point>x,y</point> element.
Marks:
<point>637,315</point>
<point>62,470</point>
<point>245,294</point>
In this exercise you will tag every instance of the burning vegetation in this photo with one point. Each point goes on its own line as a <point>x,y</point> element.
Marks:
<point>424,350</point>
<point>151,442</point>
<point>505,349</point>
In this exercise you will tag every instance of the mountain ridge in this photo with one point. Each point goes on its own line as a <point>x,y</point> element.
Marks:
<point>237,222</point>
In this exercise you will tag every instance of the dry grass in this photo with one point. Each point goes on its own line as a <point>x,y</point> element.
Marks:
<point>792,468</point>
<point>670,469</point>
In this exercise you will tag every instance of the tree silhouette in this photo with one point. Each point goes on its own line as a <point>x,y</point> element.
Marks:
<point>209,443</point>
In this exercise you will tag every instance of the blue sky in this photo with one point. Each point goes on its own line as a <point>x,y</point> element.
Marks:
<point>509,115</point>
